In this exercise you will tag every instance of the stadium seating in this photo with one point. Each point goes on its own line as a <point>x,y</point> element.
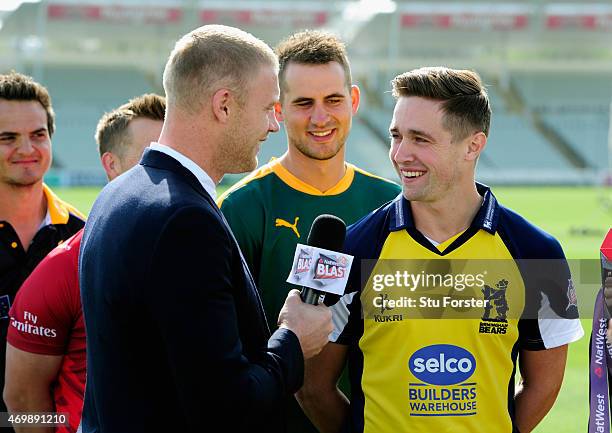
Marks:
<point>367,151</point>
<point>576,106</point>
<point>587,132</point>
<point>550,87</point>
<point>514,144</point>
<point>80,97</point>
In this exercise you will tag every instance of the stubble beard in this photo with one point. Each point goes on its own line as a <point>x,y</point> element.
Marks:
<point>435,189</point>
<point>236,153</point>
<point>307,151</point>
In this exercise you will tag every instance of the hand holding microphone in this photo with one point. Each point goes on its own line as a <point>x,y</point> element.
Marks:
<point>311,324</point>
<point>307,319</point>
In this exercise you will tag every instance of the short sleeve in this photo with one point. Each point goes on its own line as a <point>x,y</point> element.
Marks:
<point>551,314</point>
<point>47,304</point>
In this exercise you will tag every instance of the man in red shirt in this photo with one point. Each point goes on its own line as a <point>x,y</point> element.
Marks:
<point>45,369</point>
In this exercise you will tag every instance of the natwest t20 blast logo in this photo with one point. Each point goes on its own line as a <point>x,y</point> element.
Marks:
<point>320,269</point>
<point>303,263</point>
<point>330,267</point>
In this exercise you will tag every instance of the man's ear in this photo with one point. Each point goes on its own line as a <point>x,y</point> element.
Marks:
<point>222,103</point>
<point>355,97</point>
<point>278,112</point>
<point>111,165</point>
<point>476,146</point>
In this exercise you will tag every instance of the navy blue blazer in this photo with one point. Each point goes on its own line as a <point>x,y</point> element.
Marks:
<point>177,338</point>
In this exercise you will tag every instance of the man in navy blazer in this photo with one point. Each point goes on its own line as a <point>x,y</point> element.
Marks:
<point>177,339</point>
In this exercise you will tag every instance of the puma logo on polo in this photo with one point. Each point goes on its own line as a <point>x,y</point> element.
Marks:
<point>282,223</point>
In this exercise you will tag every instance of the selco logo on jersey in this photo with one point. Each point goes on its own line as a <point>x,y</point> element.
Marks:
<point>442,364</point>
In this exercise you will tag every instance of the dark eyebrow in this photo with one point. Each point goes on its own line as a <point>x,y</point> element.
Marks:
<point>13,134</point>
<point>335,95</point>
<point>412,132</point>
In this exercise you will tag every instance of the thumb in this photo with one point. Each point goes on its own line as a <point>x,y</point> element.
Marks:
<point>294,293</point>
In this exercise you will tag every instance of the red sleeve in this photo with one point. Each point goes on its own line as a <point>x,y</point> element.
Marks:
<point>48,303</point>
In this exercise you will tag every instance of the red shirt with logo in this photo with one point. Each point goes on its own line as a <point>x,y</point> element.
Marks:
<point>47,319</point>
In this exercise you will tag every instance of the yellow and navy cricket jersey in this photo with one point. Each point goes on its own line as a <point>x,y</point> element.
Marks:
<point>270,211</point>
<point>429,372</point>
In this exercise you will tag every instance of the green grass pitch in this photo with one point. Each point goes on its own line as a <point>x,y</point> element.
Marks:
<point>578,217</point>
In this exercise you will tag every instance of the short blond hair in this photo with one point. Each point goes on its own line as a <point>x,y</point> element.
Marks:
<point>112,134</point>
<point>212,57</point>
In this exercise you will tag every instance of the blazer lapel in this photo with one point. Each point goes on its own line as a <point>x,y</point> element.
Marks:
<point>153,158</point>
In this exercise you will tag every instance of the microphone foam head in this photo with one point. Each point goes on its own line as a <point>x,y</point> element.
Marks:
<point>328,232</point>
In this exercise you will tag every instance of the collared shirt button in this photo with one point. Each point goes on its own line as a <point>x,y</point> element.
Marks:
<point>1,225</point>
<point>13,244</point>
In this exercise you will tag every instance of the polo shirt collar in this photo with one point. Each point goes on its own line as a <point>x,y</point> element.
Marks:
<point>46,221</point>
<point>487,217</point>
<point>58,212</point>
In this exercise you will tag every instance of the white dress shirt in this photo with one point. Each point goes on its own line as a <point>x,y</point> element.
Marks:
<point>194,168</point>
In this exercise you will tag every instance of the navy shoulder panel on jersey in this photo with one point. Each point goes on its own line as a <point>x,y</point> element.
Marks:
<point>525,240</point>
<point>542,264</point>
<point>364,240</point>
<point>365,237</point>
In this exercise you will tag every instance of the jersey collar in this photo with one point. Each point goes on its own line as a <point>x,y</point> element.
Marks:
<point>299,185</point>
<point>486,218</point>
<point>57,210</point>
<point>488,215</point>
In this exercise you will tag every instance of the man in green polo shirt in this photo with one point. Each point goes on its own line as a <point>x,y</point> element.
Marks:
<point>272,209</point>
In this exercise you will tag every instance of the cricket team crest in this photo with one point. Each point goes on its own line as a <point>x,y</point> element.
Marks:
<point>495,322</point>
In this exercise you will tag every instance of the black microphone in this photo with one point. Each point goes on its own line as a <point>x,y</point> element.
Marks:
<point>327,232</point>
